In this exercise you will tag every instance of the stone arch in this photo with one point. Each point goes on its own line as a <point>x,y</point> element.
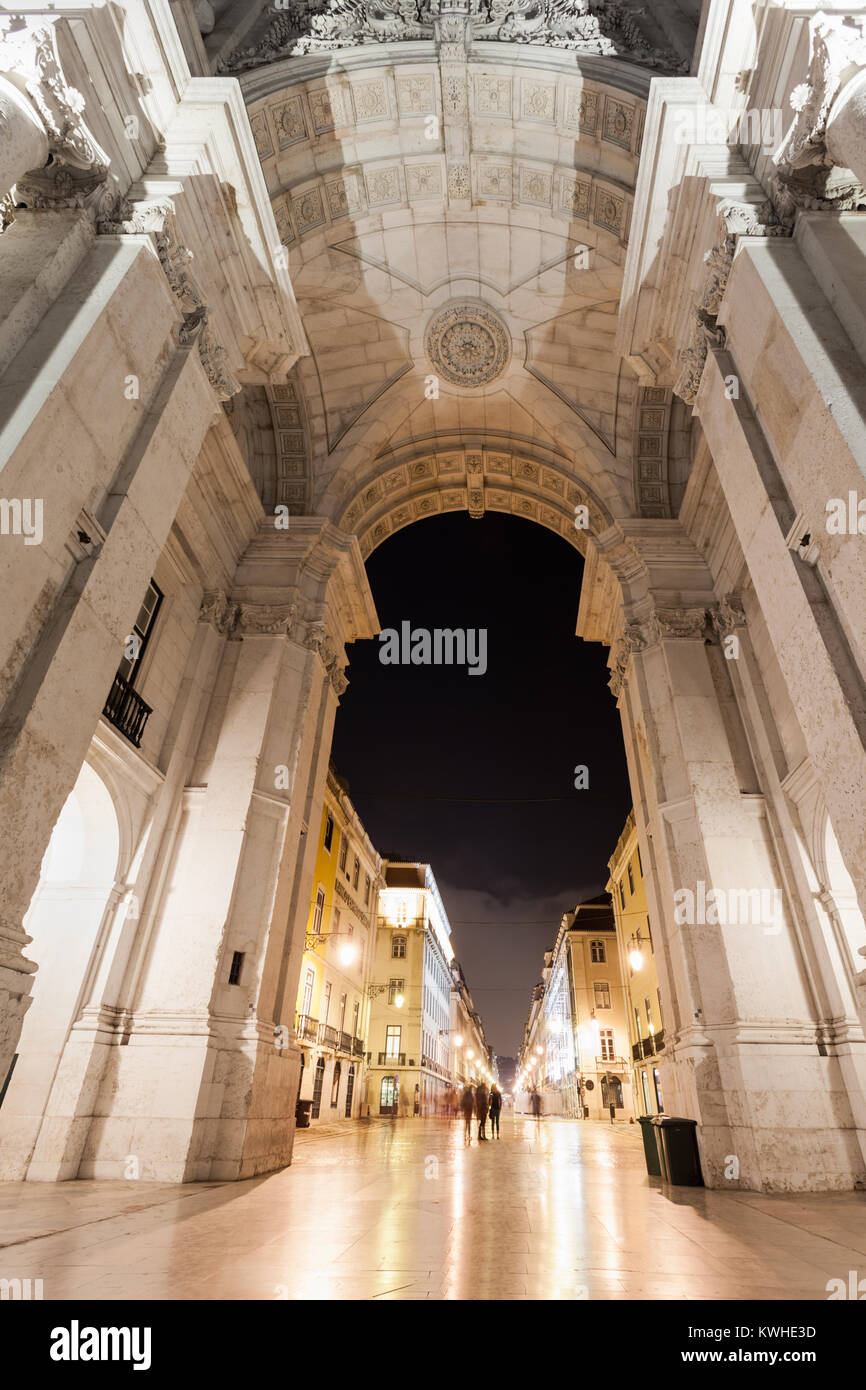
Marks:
<point>530,167</point>
<point>78,891</point>
<point>525,483</point>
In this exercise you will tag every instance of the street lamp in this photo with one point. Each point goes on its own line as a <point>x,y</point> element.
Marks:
<point>374,990</point>
<point>635,954</point>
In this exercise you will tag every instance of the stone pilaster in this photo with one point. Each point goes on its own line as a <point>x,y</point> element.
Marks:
<point>739,1058</point>
<point>202,1048</point>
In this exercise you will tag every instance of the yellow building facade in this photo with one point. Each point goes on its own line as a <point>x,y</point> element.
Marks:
<point>638,968</point>
<point>333,1004</point>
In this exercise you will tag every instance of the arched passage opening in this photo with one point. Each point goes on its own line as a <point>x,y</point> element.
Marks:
<point>73,902</point>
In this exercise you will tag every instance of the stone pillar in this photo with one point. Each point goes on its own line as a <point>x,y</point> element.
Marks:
<point>740,1057</point>
<point>206,1085</point>
<point>81,588</point>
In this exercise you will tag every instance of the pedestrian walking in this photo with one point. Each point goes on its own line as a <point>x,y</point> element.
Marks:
<point>535,1101</point>
<point>467,1105</point>
<point>481,1106</point>
<point>495,1108</point>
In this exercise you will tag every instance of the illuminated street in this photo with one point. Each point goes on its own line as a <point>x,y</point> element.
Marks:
<point>402,1209</point>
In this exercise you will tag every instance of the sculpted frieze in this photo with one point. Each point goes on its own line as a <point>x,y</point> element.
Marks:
<point>605,27</point>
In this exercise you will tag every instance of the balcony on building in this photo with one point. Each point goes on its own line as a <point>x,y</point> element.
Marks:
<point>126,711</point>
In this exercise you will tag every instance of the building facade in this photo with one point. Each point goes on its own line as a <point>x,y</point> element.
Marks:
<point>576,1037</point>
<point>410,1013</point>
<point>638,970</point>
<point>333,999</point>
<point>470,1054</point>
<point>223,289</point>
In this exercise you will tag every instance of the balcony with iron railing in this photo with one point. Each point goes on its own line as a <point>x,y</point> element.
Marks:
<point>344,1043</point>
<point>436,1067</point>
<point>392,1059</point>
<point>327,1035</point>
<point>357,1047</point>
<point>648,1047</point>
<point>126,710</point>
<point>307,1028</point>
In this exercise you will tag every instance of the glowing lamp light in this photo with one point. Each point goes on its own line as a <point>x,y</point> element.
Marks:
<point>635,959</point>
<point>399,1001</point>
<point>348,954</point>
<point>458,1041</point>
<point>539,1049</point>
<point>470,1054</point>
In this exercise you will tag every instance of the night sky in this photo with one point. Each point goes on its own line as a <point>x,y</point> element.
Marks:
<point>475,774</point>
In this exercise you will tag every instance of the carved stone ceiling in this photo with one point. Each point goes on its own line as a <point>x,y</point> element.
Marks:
<point>456,236</point>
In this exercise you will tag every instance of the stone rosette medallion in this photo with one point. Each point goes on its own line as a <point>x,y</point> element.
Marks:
<point>467,343</point>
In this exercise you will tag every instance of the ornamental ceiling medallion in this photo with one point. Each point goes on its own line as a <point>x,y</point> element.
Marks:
<point>467,343</point>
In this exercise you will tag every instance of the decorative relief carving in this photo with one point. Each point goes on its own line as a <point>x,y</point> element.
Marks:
<point>415,96</point>
<point>736,219</point>
<point>383,186</point>
<point>423,180</point>
<point>76,175</point>
<point>266,619</point>
<point>289,122</point>
<point>459,182</point>
<point>218,610</point>
<point>663,624</point>
<point>728,614</point>
<point>805,176</point>
<point>604,27</point>
<point>467,343</point>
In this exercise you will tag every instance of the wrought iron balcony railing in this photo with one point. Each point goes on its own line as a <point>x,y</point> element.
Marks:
<point>307,1028</point>
<point>126,710</point>
<point>358,1047</point>
<point>327,1035</point>
<point>344,1042</point>
<point>392,1059</point>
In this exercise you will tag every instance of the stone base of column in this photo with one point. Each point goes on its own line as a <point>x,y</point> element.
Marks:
<point>772,1117</point>
<point>212,1103</point>
<point>16,982</point>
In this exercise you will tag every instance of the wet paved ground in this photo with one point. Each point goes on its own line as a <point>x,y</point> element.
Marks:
<point>403,1210</point>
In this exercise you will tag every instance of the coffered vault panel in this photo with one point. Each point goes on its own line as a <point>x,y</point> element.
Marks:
<point>401,188</point>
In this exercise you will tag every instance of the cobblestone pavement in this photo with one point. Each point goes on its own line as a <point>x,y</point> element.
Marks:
<point>403,1209</point>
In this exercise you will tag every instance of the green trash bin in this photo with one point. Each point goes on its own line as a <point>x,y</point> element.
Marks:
<point>678,1147</point>
<point>650,1145</point>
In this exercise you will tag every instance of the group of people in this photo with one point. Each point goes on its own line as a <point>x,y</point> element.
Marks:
<point>477,1101</point>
